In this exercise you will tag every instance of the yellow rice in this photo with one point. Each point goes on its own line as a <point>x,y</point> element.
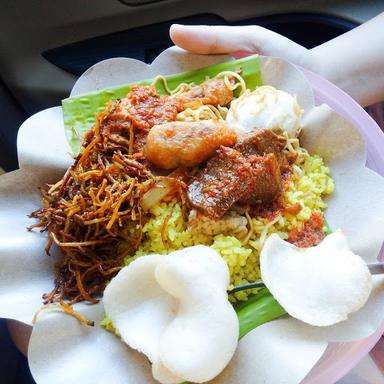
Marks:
<point>309,185</point>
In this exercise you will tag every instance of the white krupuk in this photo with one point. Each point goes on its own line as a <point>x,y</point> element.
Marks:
<point>174,308</point>
<point>319,285</point>
<point>138,307</point>
<point>265,107</point>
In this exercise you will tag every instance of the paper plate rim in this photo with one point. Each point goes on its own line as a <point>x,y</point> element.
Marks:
<point>327,370</point>
<point>349,354</point>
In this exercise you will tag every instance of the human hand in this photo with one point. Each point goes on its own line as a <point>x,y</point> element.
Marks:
<point>238,41</point>
<point>353,61</point>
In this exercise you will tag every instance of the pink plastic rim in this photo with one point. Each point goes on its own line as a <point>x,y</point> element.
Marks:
<point>340,358</point>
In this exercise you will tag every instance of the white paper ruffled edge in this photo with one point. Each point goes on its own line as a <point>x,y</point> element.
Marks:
<point>44,160</point>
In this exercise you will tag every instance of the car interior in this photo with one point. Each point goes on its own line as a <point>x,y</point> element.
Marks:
<point>46,45</point>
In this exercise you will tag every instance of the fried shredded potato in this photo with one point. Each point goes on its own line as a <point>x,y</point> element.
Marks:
<point>95,214</point>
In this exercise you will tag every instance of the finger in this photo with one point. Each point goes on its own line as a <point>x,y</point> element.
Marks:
<point>206,39</point>
<point>225,39</point>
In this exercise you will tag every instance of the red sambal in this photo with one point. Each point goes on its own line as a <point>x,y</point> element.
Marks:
<point>312,233</point>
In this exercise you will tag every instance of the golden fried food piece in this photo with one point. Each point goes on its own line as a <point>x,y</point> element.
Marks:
<point>186,144</point>
<point>212,91</point>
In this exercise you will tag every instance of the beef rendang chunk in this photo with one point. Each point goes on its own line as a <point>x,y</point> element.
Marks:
<point>261,142</point>
<point>248,173</point>
<point>221,183</point>
<point>265,183</point>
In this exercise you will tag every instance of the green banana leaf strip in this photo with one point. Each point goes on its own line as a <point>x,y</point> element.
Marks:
<point>326,228</point>
<point>79,111</point>
<point>257,310</point>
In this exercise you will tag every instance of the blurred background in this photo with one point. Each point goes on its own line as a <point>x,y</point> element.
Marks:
<point>46,44</point>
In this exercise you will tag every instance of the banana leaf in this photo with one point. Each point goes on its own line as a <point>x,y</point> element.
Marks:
<point>326,228</point>
<point>257,310</point>
<point>79,111</point>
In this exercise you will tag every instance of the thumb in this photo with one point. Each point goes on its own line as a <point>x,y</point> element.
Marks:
<point>205,39</point>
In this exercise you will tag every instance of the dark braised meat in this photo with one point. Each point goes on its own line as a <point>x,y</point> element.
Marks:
<point>265,182</point>
<point>223,181</point>
<point>248,173</point>
<point>263,149</point>
<point>262,142</point>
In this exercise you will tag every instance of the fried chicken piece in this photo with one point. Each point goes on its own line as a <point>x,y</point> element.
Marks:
<point>186,144</point>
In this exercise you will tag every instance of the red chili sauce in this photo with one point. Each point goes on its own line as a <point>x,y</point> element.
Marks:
<point>148,108</point>
<point>312,233</point>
